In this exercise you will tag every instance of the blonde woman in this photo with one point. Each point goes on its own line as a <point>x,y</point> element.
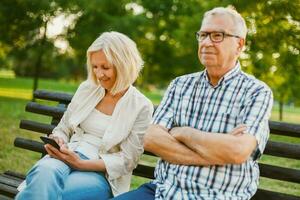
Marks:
<point>101,133</point>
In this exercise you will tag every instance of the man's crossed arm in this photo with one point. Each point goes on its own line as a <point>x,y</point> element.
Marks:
<point>189,146</point>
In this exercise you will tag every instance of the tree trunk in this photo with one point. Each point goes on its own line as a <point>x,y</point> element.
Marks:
<point>280,110</point>
<point>38,64</point>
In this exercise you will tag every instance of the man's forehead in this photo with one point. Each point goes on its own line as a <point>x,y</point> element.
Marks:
<point>216,23</point>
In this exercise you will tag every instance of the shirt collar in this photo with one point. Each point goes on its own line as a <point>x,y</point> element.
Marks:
<point>230,75</point>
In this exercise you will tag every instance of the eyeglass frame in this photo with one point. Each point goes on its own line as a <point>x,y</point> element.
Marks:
<point>209,34</point>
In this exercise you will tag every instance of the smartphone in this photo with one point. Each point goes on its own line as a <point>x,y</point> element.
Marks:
<point>51,141</point>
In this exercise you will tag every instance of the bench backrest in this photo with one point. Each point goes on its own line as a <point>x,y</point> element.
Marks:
<point>273,148</point>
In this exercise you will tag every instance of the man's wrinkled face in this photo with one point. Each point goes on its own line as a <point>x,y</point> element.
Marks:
<point>218,54</point>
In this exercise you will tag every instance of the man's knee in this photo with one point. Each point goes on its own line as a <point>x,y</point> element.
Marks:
<point>145,192</point>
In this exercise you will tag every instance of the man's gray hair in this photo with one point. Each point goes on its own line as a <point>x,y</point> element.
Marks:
<point>239,28</point>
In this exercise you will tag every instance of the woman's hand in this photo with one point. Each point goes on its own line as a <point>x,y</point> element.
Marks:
<point>58,140</point>
<point>64,154</point>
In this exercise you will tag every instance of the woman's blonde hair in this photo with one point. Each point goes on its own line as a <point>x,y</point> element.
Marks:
<point>122,53</point>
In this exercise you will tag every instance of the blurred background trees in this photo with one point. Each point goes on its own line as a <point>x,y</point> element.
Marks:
<point>52,36</point>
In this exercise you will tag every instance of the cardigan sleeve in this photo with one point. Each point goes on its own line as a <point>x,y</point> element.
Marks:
<point>123,162</point>
<point>63,129</point>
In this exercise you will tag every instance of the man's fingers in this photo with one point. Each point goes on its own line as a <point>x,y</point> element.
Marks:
<point>174,130</point>
<point>240,129</point>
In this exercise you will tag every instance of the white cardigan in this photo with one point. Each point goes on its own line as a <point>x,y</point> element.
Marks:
<point>123,138</point>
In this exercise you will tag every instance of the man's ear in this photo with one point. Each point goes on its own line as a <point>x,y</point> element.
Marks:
<point>241,45</point>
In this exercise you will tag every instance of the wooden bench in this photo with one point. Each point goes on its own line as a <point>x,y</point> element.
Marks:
<point>9,180</point>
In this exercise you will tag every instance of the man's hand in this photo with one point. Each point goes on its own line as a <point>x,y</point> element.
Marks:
<point>67,156</point>
<point>239,130</point>
<point>179,132</point>
<point>237,145</point>
<point>160,142</point>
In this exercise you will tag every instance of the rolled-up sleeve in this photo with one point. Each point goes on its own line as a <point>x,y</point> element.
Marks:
<point>256,114</point>
<point>123,162</point>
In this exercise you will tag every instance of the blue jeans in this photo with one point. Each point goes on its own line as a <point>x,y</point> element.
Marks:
<point>144,192</point>
<point>53,179</point>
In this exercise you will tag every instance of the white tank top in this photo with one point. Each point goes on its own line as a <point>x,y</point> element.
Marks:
<point>94,127</point>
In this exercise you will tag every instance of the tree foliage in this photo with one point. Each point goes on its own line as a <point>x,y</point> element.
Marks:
<point>163,30</point>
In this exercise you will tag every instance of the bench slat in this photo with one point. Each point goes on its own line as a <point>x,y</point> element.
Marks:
<point>7,190</point>
<point>7,180</point>
<point>279,173</point>
<point>283,128</point>
<point>12,178</point>
<point>282,149</point>
<point>2,197</point>
<point>15,174</point>
<point>268,171</point>
<point>144,171</point>
<point>149,153</point>
<point>30,145</point>
<point>266,194</point>
<point>53,96</point>
<point>36,126</point>
<point>56,112</point>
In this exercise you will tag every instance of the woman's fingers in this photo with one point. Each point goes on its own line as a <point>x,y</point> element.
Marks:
<point>61,142</point>
<point>65,150</point>
<point>58,140</point>
<point>50,152</point>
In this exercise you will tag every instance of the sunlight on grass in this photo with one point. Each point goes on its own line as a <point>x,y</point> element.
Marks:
<point>16,93</point>
<point>7,74</point>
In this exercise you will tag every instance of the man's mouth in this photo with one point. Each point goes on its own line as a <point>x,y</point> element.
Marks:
<point>207,52</point>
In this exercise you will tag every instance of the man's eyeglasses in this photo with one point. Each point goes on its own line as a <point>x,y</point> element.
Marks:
<point>213,36</point>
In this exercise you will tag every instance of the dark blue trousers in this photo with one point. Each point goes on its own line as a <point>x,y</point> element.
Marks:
<point>144,192</point>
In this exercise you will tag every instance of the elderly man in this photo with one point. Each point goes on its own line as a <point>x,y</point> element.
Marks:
<point>211,126</point>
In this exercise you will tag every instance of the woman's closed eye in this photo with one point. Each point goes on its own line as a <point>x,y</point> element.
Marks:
<point>104,67</point>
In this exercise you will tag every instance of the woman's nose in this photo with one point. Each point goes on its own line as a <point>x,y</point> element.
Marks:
<point>98,72</point>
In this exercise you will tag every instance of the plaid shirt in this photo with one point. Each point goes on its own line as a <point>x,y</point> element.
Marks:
<point>192,101</point>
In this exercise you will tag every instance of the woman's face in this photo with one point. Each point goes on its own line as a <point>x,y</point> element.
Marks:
<point>103,70</point>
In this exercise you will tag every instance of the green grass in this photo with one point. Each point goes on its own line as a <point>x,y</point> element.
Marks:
<point>15,93</point>
<point>11,111</point>
<point>290,114</point>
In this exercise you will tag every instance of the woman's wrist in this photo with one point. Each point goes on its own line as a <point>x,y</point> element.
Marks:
<point>80,165</point>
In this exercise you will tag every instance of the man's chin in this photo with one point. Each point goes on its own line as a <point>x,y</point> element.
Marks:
<point>208,63</point>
